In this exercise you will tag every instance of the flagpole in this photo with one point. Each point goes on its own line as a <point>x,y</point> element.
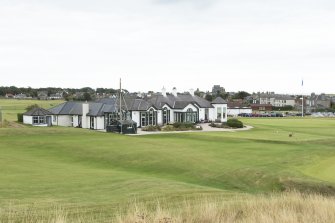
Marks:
<point>302,99</point>
<point>302,108</point>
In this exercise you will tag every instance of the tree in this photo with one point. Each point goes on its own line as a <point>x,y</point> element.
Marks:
<point>241,95</point>
<point>30,107</point>
<point>224,95</point>
<point>209,97</point>
<point>87,96</point>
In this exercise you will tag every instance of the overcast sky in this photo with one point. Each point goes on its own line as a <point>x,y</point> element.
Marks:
<point>252,45</point>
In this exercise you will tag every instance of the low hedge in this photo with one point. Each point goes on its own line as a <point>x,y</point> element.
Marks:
<point>20,117</point>
<point>151,128</point>
<point>234,123</point>
<point>178,126</point>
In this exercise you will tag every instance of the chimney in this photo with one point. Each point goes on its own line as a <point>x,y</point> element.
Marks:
<point>191,91</point>
<point>164,91</point>
<point>86,109</point>
<point>174,91</point>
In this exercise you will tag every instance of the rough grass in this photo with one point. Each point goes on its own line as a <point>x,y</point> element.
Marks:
<point>288,207</point>
<point>285,208</point>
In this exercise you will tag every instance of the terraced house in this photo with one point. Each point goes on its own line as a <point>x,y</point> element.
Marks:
<point>156,109</point>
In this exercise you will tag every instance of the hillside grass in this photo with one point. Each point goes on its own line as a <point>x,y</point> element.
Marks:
<point>90,173</point>
<point>10,107</point>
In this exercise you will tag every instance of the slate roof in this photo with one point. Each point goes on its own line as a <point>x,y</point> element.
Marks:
<point>37,112</point>
<point>178,102</point>
<point>68,108</point>
<point>76,108</point>
<point>130,103</point>
<point>219,100</point>
<point>108,105</point>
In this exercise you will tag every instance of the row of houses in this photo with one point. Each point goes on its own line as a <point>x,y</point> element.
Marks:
<point>311,102</point>
<point>18,96</point>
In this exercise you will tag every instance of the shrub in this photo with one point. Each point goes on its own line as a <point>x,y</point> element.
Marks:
<point>219,125</point>
<point>183,125</point>
<point>179,126</point>
<point>168,128</point>
<point>30,107</point>
<point>151,128</point>
<point>20,117</point>
<point>234,123</point>
<point>212,124</point>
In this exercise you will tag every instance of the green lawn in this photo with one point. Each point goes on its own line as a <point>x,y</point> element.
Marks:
<point>10,107</point>
<point>100,171</point>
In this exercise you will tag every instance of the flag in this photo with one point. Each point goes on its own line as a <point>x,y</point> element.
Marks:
<point>302,82</point>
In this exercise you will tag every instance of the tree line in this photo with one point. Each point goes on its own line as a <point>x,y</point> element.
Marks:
<point>85,93</point>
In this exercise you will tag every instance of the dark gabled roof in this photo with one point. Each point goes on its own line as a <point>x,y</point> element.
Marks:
<point>202,102</point>
<point>138,105</point>
<point>68,108</point>
<point>178,102</point>
<point>181,104</point>
<point>108,105</point>
<point>130,103</point>
<point>95,109</point>
<point>219,100</point>
<point>76,108</point>
<point>109,101</point>
<point>37,112</point>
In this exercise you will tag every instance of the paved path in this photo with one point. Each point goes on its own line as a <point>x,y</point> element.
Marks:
<point>205,128</point>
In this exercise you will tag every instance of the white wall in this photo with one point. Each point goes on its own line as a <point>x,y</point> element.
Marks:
<point>100,122</point>
<point>86,120</point>
<point>211,114</point>
<point>75,121</point>
<point>64,120</point>
<point>290,102</point>
<point>28,119</point>
<point>135,116</point>
<point>224,112</point>
<point>235,111</point>
<point>54,119</point>
<point>159,117</point>
<point>201,114</point>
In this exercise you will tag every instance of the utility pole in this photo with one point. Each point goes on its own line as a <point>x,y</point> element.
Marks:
<point>120,101</point>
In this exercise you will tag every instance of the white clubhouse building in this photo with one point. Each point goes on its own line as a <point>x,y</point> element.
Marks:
<point>158,109</point>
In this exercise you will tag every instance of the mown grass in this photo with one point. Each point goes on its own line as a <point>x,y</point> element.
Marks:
<point>91,173</point>
<point>10,107</point>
